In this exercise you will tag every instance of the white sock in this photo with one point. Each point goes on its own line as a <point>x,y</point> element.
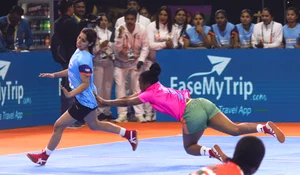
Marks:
<point>122,132</point>
<point>259,128</point>
<point>48,151</point>
<point>204,151</point>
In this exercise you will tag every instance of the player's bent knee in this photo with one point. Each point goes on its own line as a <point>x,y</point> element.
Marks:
<point>58,127</point>
<point>235,131</point>
<point>187,150</point>
<point>93,125</point>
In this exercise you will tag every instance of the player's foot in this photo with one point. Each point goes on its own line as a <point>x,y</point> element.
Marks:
<point>272,129</point>
<point>40,158</point>
<point>132,137</point>
<point>217,153</point>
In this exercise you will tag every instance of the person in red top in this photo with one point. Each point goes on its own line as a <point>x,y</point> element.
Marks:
<point>249,153</point>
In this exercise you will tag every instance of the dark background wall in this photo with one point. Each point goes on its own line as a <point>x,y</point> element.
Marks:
<point>233,7</point>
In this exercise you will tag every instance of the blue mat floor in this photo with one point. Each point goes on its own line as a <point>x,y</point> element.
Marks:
<point>156,156</point>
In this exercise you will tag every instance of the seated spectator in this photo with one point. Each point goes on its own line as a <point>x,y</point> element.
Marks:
<point>291,31</point>
<point>268,33</point>
<point>180,26</point>
<point>197,36</point>
<point>243,31</point>
<point>221,32</point>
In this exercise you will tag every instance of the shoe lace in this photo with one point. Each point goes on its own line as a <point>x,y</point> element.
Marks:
<point>132,139</point>
<point>270,131</point>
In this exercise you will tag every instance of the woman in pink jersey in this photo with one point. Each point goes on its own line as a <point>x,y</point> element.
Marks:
<point>195,114</point>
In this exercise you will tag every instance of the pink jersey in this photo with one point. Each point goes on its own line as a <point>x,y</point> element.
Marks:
<point>166,100</point>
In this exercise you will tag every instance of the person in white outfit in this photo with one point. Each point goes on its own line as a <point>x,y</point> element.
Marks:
<point>162,35</point>
<point>103,65</point>
<point>132,48</point>
<point>180,25</point>
<point>268,33</point>
<point>134,4</point>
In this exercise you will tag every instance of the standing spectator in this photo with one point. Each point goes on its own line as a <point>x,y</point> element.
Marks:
<point>103,65</point>
<point>161,35</point>
<point>65,33</point>
<point>135,5</point>
<point>144,12</point>
<point>79,10</point>
<point>268,33</point>
<point>18,36</point>
<point>131,41</point>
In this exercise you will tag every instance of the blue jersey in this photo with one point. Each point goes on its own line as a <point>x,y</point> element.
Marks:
<point>290,35</point>
<point>82,63</point>
<point>244,36</point>
<point>223,37</point>
<point>194,37</point>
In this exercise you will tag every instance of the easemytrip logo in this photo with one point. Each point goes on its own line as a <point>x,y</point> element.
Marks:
<point>9,90</point>
<point>206,83</point>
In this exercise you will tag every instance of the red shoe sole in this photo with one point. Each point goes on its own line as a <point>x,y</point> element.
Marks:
<point>279,134</point>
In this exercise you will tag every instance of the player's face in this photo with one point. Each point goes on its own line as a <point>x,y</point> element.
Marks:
<point>142,85</point>
<point>82,43</point>
<point>220,19</point>
<point>133,5</point>
<point>130,20</point>
<point>266,17</point>
<point>163,17</point>
<point>291,16</point>
<point>103,22</point>
<point>245,18</point>
<point>180,17</point>
<point>198,20</point>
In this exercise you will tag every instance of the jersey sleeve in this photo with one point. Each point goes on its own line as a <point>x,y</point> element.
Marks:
<point>147,96</point>
<point>85,69</point>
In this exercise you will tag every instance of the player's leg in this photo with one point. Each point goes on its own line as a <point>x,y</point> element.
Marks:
<point>223,124</point>
<point>194,123</point>
<point>95,124</point>
<point>59,126</point>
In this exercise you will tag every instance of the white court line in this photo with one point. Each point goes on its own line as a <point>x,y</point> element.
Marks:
<point>125,141</point>
<point>91,145</point>
<point>14,173</point>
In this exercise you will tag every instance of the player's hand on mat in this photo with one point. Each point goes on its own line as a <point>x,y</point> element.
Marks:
<point>66,92</point>
<point>48,75</point>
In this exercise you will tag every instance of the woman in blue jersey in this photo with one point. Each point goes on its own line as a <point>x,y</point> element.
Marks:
<point>81,78</point>
<point>243,31</point>
<point>221,32</point>
<point>291,31</point>
<point>197,36</point>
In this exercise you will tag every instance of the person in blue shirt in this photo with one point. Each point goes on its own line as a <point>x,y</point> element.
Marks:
<point>18,30</point>
<point>243,31</point>
<point>291,31</point>
<point>197,36</point>
<point>221,32</point>
<point>81,78</point>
